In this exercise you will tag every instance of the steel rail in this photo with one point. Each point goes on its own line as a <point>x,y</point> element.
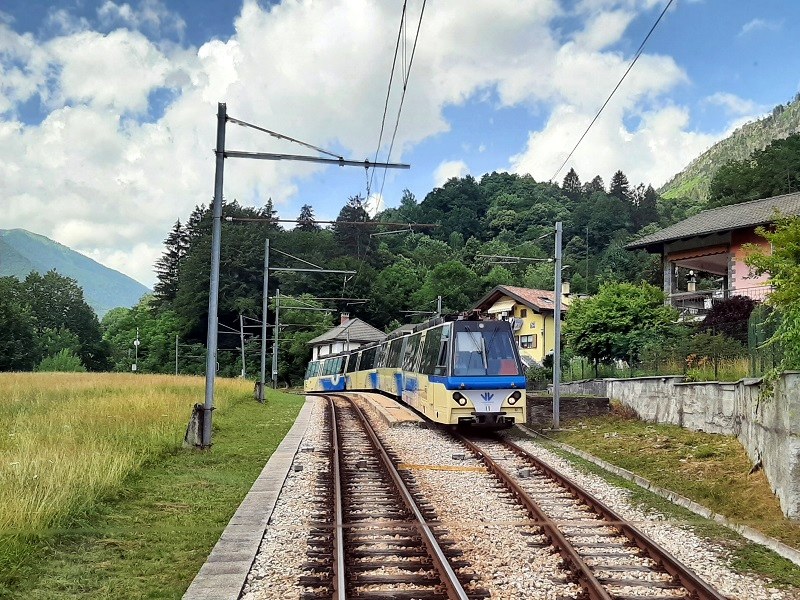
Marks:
<point>339,584</point>
<point>448,577</point>
<point>696,587</point>
<point>577,566</point>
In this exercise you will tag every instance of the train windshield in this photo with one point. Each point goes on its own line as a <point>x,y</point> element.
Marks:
<point>484,348</point>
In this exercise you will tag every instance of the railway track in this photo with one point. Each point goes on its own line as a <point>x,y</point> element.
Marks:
<point>372,538</point>
<point>606,556</point>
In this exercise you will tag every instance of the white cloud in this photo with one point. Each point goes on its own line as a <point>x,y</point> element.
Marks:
<point>150,15</point>
<point>102,175</point>
<point>761,25</point>
<point>449,169</point>
<point>732,104</point>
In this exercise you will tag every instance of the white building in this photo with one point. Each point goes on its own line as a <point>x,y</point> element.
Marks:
<point>348,335</point>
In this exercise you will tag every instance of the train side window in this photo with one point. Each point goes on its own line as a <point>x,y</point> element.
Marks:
<point>430,351</point>
<point>410,357</point>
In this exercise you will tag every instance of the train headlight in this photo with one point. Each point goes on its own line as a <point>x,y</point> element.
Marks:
<point>514,397</point>
<point>460,400</point>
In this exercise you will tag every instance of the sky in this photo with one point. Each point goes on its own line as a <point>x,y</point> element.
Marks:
<point>108,109</point>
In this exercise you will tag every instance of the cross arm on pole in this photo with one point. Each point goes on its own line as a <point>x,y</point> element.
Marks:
<point>315,159</point>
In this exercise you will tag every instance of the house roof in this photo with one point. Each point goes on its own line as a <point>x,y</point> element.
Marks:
<point>538,300</point>
<point>355,330</point>
<point>724,218</point>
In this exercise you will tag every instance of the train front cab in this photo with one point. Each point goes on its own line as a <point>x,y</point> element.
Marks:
<point>468,373</point>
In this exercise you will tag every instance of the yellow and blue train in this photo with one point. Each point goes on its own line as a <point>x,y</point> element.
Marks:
<point>456,372</point>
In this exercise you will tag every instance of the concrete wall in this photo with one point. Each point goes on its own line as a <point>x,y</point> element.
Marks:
<point>767,427</point>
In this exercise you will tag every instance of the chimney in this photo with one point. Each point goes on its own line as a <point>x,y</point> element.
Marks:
<point>344,318</point>
<point>565,288</point>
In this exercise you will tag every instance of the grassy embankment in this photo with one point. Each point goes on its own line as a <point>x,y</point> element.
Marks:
<point>710,469</point>
<point>97,497</point>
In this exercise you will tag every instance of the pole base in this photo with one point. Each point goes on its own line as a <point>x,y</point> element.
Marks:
<point>194,430</point>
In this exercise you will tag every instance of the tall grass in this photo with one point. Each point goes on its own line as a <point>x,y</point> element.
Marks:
<point>694,368</point>
<point>69,439</point>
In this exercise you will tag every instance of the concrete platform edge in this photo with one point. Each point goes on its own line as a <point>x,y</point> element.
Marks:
<point>223,574</point>
<point>749,533</point>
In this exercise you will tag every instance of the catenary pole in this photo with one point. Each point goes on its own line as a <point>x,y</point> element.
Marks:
<point>176,354</point>
<point>557,333</point>
<point>275,339</point>
<point>213,294</point>
<point>241,341</point>
<point>264,306</point>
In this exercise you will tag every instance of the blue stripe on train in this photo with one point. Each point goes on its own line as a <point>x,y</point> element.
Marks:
<point>333,384</point>
<point>481,382</point>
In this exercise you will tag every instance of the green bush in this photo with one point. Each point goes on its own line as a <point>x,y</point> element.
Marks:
<point>65,361</point>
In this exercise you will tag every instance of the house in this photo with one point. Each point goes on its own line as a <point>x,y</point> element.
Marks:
<point>349,334</point>
<point>531,315</point>
<point>712,242</point>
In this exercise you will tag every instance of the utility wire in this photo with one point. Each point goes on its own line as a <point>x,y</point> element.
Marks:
<point>616,87</point>
<point>405,87</point>
<point>388,92</point>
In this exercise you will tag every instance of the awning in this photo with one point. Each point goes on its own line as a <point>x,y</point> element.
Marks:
<point>501,306</point>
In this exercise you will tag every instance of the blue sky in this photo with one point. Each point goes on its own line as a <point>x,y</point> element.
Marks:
<point>107,108</point>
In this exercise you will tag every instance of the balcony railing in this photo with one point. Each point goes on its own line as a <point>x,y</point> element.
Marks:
<point>696,304</point>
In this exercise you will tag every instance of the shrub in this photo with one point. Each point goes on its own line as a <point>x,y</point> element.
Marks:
<point>65,361</point>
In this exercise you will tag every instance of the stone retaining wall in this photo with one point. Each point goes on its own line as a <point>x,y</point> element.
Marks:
<point>767,426</point>
<point>540,409</point>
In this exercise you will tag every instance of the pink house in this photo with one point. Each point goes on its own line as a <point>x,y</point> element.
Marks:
<point>709,248</point>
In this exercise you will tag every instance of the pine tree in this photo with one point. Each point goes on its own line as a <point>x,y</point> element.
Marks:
<point>348,235</point>
<point>572,184</point>
<point>620,188</point>
<point>168,266</point>
<point>595,185</point>
<point>306,222</point>
<point>269,212</point>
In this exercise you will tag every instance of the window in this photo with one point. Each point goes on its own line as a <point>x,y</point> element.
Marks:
<point>352,361</point>
<point>444,354</point>
<point>430,351</point>
<point>527,341</point>
<point>410,357</point>
<point>523,312</point>
<point>484,349</point>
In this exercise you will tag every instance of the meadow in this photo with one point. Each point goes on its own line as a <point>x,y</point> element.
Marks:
<point>75,447</point>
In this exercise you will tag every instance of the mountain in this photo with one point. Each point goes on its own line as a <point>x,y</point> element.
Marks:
<point>694,180</point>
<point>22,252</point>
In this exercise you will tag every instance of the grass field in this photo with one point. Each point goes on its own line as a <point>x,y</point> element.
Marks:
<point>97,498</point>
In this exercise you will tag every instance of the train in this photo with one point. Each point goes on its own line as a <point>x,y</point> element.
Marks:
<point>455,371</point>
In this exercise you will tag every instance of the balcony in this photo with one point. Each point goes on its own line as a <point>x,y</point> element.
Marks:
<point>694,305</point>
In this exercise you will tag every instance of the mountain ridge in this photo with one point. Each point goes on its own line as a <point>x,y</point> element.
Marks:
<point>22,251</point>
<point>694,180</point>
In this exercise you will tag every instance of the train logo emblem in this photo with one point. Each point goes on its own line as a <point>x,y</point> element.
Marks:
<point>487,396</point>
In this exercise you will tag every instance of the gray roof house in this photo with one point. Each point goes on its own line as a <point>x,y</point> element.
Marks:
<point>348,335</point>
<point>714,243</point>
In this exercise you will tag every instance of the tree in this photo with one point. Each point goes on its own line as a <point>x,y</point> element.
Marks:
<point>572,184</point>
<point>619,322</point>
<point>620,188</point>
<point>64,360</point>
<point>350,237</point>
<point>769,172</point>
<point>457,284</point>
<point>595,185</point>
<point>57,302</point>
<point>783,267</point>
<point>306,222</point>
<point>17,328</point>
<point>167,267</point>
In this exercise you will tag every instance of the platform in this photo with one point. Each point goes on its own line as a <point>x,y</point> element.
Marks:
<point>391,411</point>
<point>223,574</point>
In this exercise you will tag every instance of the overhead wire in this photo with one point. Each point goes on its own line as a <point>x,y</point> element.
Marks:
<point>405,87</point>
<point>616,87</point>
<point>388,93</point>
<point>280,136</point>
